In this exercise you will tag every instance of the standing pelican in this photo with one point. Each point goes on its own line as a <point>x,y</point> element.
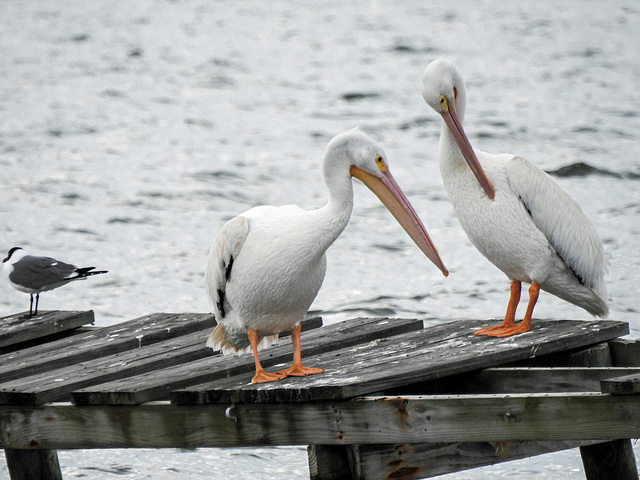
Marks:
<point>514,213</point>
<point>267,264</point>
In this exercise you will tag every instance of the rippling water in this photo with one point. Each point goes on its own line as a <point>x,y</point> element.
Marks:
<point>130,131</point>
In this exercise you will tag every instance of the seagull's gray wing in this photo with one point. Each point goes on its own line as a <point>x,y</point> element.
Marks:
<point>41,273</point>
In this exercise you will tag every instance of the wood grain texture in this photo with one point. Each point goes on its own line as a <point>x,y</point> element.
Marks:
<point>153,386</point>
<point>33,464</point>
<point>378,420</point>
<point>55,385</point>
<point>520,380</point>
<point>623,385</point>
<point>20,328</point>
<point>426,460</point>
<point>610,460</point>
<point>101,342</point>
<point>431,353</point>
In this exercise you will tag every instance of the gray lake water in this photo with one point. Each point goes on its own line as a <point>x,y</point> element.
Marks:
<point>131,131</point>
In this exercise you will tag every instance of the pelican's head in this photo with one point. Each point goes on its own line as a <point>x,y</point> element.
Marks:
<point>368,163</point>
<point>443,89</point>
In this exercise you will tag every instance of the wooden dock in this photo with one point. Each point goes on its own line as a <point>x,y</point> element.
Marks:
<point>396,401</point>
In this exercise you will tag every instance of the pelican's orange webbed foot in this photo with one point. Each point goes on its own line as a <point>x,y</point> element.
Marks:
<point>264,377</point>
<point>509,323</point>
<point>261,376</point>
<point>490,331</point>
<point>296,369</point>
<point>300,371</point>
<point>500,332</point>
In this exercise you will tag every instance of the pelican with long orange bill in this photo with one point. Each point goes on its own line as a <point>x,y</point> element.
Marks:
<point>266,265</point>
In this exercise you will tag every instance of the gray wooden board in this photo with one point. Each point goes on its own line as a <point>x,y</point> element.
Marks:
<point>153,386</point>
<point>55,385</point>
<point>20,328</point>
<point>624,385</point>
<point>368,420</point>
<point>117,338</point>
<point>426,460</point>
<point>431,353</point>
<point>625,352</point>
<point>518,380</point>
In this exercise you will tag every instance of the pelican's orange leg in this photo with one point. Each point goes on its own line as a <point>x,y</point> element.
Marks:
<point>525,325</point>
<point>261,376</point>
<point>296,369</point>
<point>509,317</point>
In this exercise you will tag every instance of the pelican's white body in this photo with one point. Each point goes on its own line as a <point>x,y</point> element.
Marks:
<point>532,230</point>
<point>277,273</point>
<point>278,253</point>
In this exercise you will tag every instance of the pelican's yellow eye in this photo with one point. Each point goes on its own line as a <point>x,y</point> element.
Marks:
<point>380,162</point>
<point>444,103</point>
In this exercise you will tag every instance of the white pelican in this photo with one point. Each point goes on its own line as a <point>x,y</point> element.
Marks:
<point>514,213</point>
<point>267,264</point>
<point>33,275</point>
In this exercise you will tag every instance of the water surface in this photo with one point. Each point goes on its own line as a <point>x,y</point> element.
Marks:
<point>131,131</point>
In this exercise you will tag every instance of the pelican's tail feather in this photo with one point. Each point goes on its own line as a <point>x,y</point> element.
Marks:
<point>230,340</point>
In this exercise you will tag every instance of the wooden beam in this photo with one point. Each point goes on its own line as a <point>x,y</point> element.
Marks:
<point>598,355</point>
<point>625,353</point>
<point>624,385</point>
<point>374,420</point>
<point>426,460</point>
<point>523,380</point>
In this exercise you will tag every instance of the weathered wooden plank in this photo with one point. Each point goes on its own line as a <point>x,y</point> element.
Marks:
<point>20,327</point>
<point>624,385</point>
<point>54,337</point>
<point>129,335</point>
<point>425,460</point>
<point>406,359</point>
<point>144,388</point>
<point>519,380</point>
<point>56,385</point>
<point>598,355</point>
<point>429,419</point>
<point>625,352</point>
<point>606,461</point>
<point>33,464</point>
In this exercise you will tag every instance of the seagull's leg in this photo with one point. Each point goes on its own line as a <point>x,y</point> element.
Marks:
<point>261,376</point>
<point>31,305</point>
<point>37,300</point>
<point>509,317</point>
<point>296,369</point>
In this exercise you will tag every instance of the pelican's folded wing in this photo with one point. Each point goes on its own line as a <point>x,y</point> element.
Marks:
<point>225,248</point>
<point>562,221</point>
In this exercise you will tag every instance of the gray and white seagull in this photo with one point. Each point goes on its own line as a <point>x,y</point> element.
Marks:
<point>33,275</point>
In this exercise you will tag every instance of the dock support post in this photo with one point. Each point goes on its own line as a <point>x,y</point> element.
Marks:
<point>607,460</point>
<point>33,464</point>
<point>329,462</point>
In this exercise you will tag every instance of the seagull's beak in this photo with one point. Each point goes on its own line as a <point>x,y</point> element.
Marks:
<point>455,127</point>
<point>391,195</point>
